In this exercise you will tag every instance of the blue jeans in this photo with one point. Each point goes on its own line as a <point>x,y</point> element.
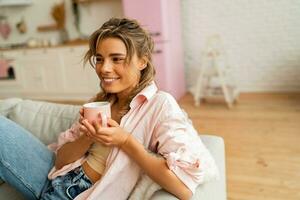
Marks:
<point>25,163</point>
<point>68,186</point>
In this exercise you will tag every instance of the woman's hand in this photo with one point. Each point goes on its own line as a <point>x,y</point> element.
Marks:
<point>113,135</point>
<point>81,116</point>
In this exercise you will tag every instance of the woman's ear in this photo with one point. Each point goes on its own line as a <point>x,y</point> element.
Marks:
<point>143,63</point>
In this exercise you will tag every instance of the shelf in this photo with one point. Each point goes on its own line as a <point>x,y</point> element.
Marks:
<point>84,1</point>
<point>46,28</point>
<point>9,82</point>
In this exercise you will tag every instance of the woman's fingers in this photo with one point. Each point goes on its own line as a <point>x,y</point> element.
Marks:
<point>89,127</point>
<point>95,131</point>
<point>108,136</point>
<point>104,139</point>
<point>100,130</point>
<point>81,111</point>
<point>96,126</point>
<point>81,119</point>
<point>82,128</point>
<point>112,123</point>
<point>81,115</point>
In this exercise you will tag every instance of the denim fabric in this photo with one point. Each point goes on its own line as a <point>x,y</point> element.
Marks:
<point>24,161</point>
<point>68,186</point>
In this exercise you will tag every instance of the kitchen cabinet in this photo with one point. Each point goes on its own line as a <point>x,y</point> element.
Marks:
<point>39,71</point>
<point>51,73</point>
<point>74,78</point>
<point>162,19</point>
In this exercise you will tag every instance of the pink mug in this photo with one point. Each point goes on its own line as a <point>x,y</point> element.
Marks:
<point>96,111</point>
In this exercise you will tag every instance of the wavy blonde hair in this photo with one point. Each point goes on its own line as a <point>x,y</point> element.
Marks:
<point>137,40</point>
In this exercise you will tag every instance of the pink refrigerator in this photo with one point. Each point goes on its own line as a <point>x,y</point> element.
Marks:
<point>162,19</point>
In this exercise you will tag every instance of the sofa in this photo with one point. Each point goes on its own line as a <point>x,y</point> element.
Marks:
<point>46,120</point>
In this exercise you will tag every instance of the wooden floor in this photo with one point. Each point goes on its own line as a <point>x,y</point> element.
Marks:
<point>262,138</point>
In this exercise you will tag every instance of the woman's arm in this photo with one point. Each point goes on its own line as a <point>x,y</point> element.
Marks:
<point>156,167</point>
<point>72,151</point>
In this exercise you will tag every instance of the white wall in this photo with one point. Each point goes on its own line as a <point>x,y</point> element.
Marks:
<point>262,38</point>
<point>39,13</point>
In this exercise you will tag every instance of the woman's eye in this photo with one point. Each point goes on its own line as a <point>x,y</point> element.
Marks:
<point>118,60</point>
<point>99,60</point>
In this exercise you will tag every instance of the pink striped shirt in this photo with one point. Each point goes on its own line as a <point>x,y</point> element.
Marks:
<point>155,120</point>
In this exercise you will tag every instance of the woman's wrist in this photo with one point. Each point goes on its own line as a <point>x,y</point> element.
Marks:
<point>126,141</point>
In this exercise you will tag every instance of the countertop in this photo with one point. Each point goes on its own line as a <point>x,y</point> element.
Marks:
<point>77,42</point>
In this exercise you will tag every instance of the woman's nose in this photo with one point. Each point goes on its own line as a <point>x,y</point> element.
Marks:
<point>107,66</point>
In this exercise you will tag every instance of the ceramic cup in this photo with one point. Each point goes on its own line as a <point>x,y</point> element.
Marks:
<point>97,111</point>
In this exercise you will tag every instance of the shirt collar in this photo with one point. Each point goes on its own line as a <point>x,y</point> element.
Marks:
<point>144,95</point>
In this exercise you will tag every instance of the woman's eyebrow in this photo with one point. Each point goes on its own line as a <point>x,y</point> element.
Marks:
<point>117,54</point>
<point>111,55</point>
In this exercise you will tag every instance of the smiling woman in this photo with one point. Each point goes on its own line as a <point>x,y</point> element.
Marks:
<point>147,132</point>
<point>121,52</point>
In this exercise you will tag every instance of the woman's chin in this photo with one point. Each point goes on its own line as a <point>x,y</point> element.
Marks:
<point>109,90</point>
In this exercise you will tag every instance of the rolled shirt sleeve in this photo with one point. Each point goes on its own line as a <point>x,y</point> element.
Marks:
<point>69,135</point>
<point>178,142</point>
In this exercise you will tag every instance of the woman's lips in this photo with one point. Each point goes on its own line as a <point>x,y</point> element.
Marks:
<point>109,80</point>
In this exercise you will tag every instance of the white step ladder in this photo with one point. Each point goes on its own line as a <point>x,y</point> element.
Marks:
<point>214,78</point>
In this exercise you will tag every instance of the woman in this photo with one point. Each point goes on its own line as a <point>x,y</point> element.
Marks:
<point>147,133</point>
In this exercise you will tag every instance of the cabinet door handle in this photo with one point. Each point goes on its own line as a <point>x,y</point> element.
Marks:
<point>157,51</point>
<point>154,34</point>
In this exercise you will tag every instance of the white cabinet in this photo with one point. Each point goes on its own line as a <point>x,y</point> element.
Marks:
<point>54,74</point>
<point>40,71</point>
<point>77,78</point>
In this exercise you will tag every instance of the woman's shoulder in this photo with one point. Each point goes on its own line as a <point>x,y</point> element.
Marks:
<point>164,97</point>
<point>166,101</point>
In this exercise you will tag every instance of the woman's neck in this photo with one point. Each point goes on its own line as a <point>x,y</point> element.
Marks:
<point>119,104</point>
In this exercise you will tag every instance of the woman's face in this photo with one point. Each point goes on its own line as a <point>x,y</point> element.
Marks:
<point>115,74</point>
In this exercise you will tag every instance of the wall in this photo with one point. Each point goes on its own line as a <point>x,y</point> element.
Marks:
<point>261,38</point>
<point>39,13</point>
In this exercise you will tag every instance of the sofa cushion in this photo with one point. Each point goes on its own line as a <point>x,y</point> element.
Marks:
<point>43,119</point>
<point>7,104</point>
